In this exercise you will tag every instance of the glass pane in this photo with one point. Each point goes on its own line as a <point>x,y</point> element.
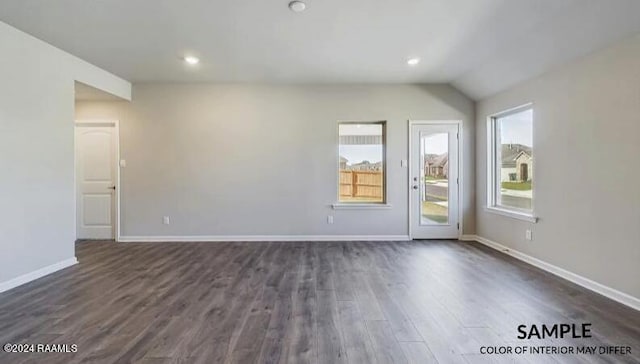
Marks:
<point>361,163</point>
<point>434,150</point>
<point>515,160</point>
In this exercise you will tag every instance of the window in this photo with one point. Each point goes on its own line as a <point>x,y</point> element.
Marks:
<point>511,163</point>
<point>361,162</point>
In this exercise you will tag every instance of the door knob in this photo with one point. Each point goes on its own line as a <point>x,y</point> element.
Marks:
<point>112,188</point>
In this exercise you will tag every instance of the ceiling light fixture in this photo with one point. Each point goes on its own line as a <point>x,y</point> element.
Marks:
<point>413,61</point>
<point>191,60</point>
<point>297,6</point>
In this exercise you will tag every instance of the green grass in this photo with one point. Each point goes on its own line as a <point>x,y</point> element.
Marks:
<point>434,212</point>
<point>432,178</point>
<point>517,186</point>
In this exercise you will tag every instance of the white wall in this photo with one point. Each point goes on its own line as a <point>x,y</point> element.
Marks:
<point>37,213</point>
<point>586,150</point>
<point>243,160</point>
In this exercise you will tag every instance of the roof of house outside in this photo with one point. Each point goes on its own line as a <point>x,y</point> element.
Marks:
<point>510,153</point>
<point>437,160</point>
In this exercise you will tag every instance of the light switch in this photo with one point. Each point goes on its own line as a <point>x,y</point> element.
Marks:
<point>403,163</point>
<point>123,163</point>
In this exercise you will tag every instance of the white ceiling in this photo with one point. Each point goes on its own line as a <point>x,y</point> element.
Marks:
<point>480,46</point>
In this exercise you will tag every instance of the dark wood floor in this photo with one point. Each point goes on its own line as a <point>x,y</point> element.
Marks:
<point>356,302</point>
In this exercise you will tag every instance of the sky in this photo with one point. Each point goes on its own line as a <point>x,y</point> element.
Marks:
<point>517,128</point>
<point>436,143</point>
<point>359,153</point>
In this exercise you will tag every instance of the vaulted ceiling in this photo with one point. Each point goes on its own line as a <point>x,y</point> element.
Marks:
<point>479,46</point>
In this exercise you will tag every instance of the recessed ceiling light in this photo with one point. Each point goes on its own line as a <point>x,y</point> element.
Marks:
<point>297,6</point>
<point>191,60</point>
<point>413,61</point>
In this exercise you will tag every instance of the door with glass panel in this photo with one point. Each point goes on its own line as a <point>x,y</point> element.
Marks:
<point>434,182</point>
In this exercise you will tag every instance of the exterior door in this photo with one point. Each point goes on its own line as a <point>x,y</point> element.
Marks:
<point>524,172</point>
<point>96,159</point>
<point>434,191</point>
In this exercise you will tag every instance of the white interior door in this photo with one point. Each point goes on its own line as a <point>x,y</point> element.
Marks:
<point>96,159</point>
<point>434,181</point>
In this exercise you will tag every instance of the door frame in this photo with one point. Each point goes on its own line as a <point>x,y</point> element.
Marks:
<point>98,122</point>
<point>458,123</point>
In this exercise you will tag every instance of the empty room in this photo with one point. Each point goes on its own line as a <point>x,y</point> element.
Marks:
<point>320,181</point>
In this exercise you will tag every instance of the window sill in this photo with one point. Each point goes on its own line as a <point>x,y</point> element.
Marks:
<point>360,206</point>
<point>513,214</point>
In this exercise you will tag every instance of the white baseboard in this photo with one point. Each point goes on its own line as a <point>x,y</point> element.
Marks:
<point>31,276</point>
<point>587,283</point>
<point>222,238</point>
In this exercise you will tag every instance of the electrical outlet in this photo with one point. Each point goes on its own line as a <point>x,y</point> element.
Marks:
<point>330,219</point>
<point>528,235</point>
<point>165,220</point>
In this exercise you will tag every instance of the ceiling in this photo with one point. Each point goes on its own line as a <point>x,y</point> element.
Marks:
<point>480,46</point>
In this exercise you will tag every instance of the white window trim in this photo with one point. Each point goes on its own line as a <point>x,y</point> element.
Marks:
<point>492,178</point>
<point>525,216</point>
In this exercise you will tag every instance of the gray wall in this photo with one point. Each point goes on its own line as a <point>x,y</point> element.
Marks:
<point>37,213</point>
<point>587,167</point>
<point>261,160</point>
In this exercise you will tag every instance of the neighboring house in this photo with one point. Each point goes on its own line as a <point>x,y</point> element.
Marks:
<point>365,166</point>
<point>362,166</point>
<point>343,162</point>
<point>436,166</point>
<point>517,163</point>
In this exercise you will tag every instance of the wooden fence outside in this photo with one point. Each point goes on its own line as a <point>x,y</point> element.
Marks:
<point>365,185</point>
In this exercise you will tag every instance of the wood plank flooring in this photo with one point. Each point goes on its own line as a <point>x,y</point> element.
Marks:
<point>307,302</point>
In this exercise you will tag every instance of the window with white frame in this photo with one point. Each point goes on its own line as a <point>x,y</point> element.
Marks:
<point>511,160</point>
<point>361,162</point>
